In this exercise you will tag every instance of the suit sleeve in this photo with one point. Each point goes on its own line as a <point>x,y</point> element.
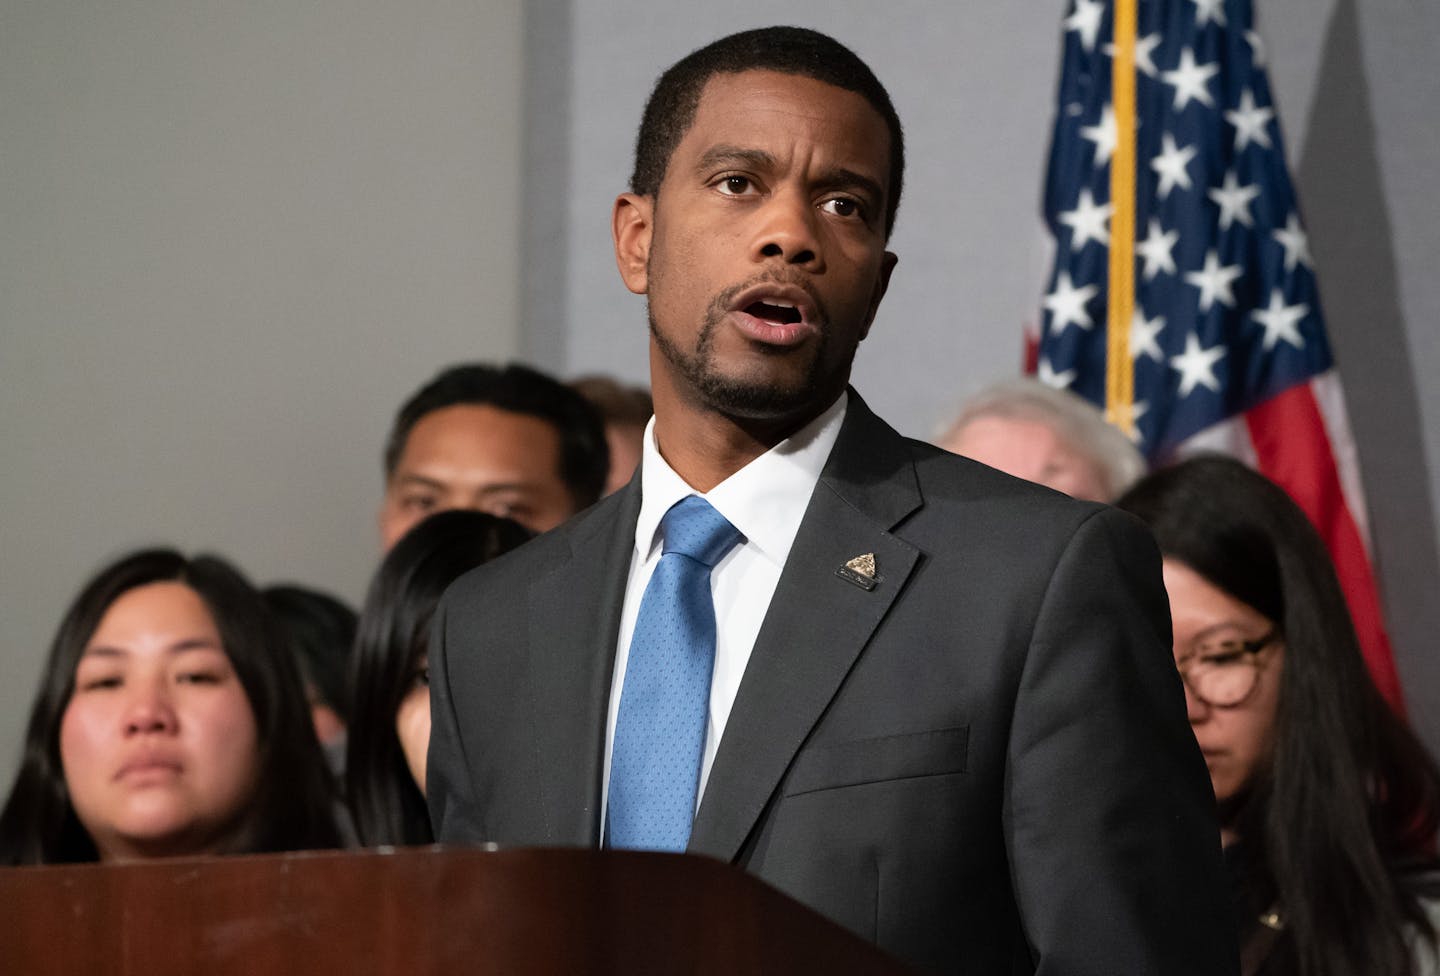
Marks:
<point>1108,811</point>
<point>453,816</point>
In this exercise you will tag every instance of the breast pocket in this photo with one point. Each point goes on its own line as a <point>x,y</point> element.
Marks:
<point>883,759</point>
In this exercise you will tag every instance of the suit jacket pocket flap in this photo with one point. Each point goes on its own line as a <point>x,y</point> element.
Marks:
<point>888,757</point>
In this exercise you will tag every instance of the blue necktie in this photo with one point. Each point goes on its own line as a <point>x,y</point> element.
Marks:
<point>660,729</point>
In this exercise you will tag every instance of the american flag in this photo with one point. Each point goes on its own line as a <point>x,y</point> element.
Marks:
<point>1227,343</point>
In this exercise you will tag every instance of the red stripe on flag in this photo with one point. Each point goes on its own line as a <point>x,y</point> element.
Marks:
<point>1294,451</point>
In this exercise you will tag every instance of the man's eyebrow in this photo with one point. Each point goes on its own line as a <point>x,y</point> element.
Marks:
<point>734,156</point>
<point>501,487</point>
<point>847,179</point>
<point>419,480</point>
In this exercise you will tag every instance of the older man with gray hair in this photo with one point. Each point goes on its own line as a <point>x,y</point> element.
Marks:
<point>1048,436</point>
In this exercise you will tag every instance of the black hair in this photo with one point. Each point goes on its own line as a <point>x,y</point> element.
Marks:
<point>291,808</point>
<point>670,111</point>
<point>394,631</point>
<point>1338,826</point>
<point>584,453</point>
<point>319,630</point>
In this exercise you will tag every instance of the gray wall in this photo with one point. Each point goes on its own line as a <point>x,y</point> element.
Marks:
<point>232,237</point>
<point>235,235</point>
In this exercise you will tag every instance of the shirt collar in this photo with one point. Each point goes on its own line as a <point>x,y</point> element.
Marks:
<point>765,500</point>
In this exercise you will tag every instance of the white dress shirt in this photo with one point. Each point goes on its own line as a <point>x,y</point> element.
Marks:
<point>765,501</point>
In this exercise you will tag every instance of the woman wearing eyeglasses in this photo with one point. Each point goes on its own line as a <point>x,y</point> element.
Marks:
<point>1328,804</point>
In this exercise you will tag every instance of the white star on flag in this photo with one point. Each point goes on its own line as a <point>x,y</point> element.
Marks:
<point>1250,121</point>
<point>1295,242</point>
<point>1086,20</point>
<point>1223,335</point>
<point>1138,409</point>
<point>1142,336</point>
<point>1257,48</point>
<point>1087,221</point>
<point>1156,250</point>
<point>1144,52</point>
<point>1208,10</point>
<point>1190,80</point>
<point>1214,281</point>
<point>1281,321</point>
<point>1234,201</point>
<point>1046,374</point>
<point>1104,134</point>
<point>1170,164</point>
<point>1197,366</point>
<point>1066,304</point>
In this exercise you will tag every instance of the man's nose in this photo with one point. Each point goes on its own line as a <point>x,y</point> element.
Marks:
<point>788,230</point>
<point>149,708</point>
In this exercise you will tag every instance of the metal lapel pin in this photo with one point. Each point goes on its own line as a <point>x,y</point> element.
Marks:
<point>860,571</point>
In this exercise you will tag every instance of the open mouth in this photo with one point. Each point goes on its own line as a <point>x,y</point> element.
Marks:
<point>774,312</point>
<point>776,315</point>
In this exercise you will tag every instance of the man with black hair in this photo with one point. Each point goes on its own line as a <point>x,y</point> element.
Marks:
<point>507,440</point>
<point>934,702</point>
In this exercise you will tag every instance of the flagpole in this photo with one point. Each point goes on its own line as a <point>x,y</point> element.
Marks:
<point>1119,365</point>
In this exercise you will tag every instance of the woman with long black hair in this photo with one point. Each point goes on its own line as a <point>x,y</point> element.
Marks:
<point>389,689</point>
<point>1328,803</point>
<point>170,721</point>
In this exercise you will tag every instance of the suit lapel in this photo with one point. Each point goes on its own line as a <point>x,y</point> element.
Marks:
<point>574,614</point>
<point>816,627</point>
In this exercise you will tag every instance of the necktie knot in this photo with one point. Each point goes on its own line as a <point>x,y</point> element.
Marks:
<point>693,528</point>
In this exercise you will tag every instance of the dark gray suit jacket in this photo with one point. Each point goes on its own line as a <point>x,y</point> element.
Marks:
<point>982,764</point>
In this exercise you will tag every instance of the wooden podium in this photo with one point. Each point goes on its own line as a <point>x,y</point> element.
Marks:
<point>426,910</point>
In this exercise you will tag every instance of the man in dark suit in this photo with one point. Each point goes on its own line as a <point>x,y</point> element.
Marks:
<point>939,704</point>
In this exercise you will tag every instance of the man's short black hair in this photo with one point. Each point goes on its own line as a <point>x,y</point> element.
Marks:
<point>789,50</point>
<point>584,453</point>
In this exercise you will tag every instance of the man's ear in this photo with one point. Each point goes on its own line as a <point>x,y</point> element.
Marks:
<point>882,284</point>
<point>632,224</point>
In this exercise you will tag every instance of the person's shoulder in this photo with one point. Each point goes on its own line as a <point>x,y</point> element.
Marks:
<point>950,479</point>
<point>946,480</point>
<point>969,507</point>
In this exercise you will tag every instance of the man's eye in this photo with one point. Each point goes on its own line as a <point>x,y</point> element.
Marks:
<point>514,509</point>
<point>843,207</point>
<point>418,503</point>
<point>735,185</point>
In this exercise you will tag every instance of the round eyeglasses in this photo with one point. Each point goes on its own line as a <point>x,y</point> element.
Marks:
<point>1224,673</point>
